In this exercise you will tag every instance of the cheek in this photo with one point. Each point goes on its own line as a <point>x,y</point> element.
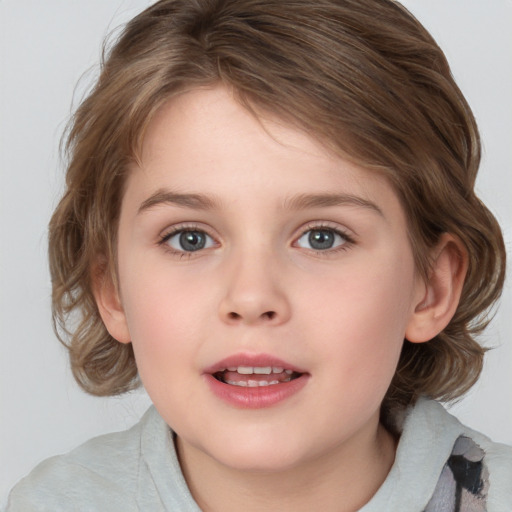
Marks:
<point>154,296</point>
<point>162,314</point>
<point>360,318</point>
<point>369,296</point>
<point>164,332</point>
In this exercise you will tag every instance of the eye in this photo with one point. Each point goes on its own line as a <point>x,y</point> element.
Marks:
<point>188,240</point>
<point>322,239</point>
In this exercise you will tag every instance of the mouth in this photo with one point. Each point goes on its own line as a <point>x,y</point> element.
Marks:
<point>250,381</point>
<point>255,376</point>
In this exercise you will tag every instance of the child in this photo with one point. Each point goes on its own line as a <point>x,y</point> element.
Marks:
<point>270,220</point>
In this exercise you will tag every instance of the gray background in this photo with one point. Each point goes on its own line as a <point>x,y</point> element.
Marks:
<point>45,49</point>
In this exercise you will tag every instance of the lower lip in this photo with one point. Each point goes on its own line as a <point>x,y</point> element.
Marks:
<point>255,397</point>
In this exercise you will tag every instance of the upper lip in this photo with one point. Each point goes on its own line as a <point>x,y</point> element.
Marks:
<point>252,360</point>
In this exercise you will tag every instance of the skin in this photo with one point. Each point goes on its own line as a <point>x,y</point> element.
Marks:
<point>259,287</point>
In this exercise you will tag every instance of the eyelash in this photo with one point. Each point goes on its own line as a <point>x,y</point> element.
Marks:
<point>348,240</point>
<point>164,239</point>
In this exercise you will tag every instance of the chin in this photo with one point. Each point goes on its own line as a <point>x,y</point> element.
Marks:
<point>260,463</point>
<point>258,455</point>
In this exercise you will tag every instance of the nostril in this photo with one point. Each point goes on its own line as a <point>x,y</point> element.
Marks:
<point>269,315</point>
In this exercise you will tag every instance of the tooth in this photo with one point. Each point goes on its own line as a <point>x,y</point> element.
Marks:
<point>255,383</point>
<point>276,369</point>
<point>245,370</point>
<point>289,372</point>
<point>265,370</point>
<point>232,369</point>
<point>235,383</point>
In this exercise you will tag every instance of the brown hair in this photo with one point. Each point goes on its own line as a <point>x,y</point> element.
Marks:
<point>363,76</point>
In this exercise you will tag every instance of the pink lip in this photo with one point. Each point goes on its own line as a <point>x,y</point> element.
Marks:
<point>254,397</point>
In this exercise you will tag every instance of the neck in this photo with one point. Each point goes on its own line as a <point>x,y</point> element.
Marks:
<point>342,480</point>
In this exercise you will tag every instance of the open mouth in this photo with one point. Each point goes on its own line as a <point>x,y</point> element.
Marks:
<point>255,376</point>
<point>255,381</point>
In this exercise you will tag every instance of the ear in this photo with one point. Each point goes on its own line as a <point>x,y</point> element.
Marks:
<point>443,289</point>
<point>109,303</point>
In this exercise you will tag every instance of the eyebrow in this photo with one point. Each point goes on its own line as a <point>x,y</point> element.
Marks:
<point>193,201</point>
<point>304,201</point>
<point>297,202</point>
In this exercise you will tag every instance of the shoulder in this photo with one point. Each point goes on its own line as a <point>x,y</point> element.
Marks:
<point>104,470</point>
<point>480,468</point>
<point>496,463</point>
<point>441,464</point>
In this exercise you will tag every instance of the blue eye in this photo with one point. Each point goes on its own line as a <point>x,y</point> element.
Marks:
<point>189,240</point>
<point>321,239</point>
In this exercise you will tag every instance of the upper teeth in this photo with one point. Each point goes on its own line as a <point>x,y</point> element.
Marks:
<point>259,370</point>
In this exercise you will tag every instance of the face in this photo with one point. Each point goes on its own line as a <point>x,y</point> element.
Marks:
<point>266,286</point>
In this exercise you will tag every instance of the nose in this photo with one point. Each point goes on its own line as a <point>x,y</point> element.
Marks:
<point>254,292</point>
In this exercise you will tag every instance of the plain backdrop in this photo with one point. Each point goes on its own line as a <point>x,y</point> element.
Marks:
<point>46,46</point>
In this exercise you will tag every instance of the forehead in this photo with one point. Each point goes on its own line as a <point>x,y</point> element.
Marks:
<point>202,118</point>
<point>205,141</point>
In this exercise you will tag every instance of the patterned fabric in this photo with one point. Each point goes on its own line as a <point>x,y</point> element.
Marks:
<point>464,481</point>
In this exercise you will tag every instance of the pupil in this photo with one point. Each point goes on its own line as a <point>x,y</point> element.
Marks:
<point>321,239</point>
<point>192,240</point>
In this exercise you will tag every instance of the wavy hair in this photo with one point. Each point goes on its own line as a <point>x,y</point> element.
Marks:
<point>363,76</point>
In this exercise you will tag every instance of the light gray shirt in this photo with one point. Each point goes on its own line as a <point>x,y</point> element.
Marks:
<point>138,469</point>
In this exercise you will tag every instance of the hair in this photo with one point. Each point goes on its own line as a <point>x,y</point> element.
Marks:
<point>363,76</point>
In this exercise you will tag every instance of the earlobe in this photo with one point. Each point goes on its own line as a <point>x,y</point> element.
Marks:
<point>109,304</point>
<point>442,290</point>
